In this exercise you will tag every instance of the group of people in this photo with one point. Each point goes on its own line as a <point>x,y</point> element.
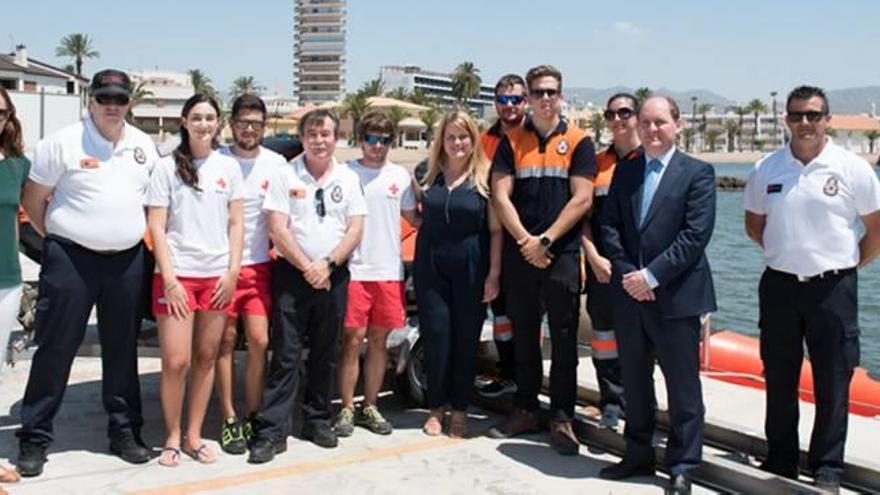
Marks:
<point>522,216</point>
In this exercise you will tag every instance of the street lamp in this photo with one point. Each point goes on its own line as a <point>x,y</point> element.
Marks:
<point>773,95</point>
<point>694,119</point>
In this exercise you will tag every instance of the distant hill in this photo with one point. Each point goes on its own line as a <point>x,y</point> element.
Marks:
<point>846,100</point>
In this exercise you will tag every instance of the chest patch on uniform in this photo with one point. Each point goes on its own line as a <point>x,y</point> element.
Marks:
<point>393,189</point>
<point>140,156</point>
<point>89,163</point>
<point>336,194</point>
<point>265,185</point>
<point>221,184</point>
<point>831,187</point>
<point>298,193</point>
<point>774,188</point>
<point>562,147</point>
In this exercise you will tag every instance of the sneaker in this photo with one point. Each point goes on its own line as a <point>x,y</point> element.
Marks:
<point>828,481</point>
<point>370,418</point>
<point>521,421</point>
<point>320,434</point>
<point>128,447</point>
<point>610,416</point>
<point>562,438</point>
<point>31,457</point>
<point>481,381</point>
<point>345,422</point>
<point>264,450</point>
<point>497,388</point>
<point>232,439</point>
<point>249,428</point>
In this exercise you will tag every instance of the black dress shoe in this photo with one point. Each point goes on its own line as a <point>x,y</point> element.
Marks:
<point>128,447</point>
<point>321,434</point>
<point>627,469</point>
<point>828,481</point>
<point>790,472</point>
<point>680,484</point>
<point>31,457</point>
<point>264,450</point>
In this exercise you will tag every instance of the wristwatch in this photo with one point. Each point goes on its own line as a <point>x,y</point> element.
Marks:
<point>545,241</point>
<point>331,265</point>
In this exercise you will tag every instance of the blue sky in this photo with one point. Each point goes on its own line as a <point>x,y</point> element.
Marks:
<point>740,49</point>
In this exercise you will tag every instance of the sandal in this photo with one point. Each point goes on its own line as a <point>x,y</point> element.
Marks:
<point>8,475</point>
<point>433,425</point>
<point>203,454</point>
<point>170,460</point>
<point>458,425</point>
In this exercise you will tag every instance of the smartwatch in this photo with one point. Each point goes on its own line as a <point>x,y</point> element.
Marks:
<point>331,265</point>
<point>545,241</point>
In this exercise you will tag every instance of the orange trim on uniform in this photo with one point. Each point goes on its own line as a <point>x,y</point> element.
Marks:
<point>606,162</point>
<point>553,157</point>
<point>603,345</point>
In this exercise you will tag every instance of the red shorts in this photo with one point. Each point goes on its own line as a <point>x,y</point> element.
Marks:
<point>198,294</point>
<point>380,304</point>
<point>253,291</point>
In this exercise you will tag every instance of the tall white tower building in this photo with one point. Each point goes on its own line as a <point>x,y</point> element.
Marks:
<point>319,50</point>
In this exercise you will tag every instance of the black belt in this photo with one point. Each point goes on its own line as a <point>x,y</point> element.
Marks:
<point>68,242</point>
<point>830,273</point>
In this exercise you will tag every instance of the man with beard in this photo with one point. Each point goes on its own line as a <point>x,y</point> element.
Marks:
<point>252,300</point>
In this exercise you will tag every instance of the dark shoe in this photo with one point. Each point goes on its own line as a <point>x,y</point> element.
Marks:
<point>249,429</point>
<point>232,439</point>
<point>345,422</point>
<point>562,439</point>
<point>31,457</point>
<point>786,472</point>
<point>627,469</point>
<point>497,388</point>
<point>264,450</point>
<point>827,481</point>
<point>610,416</point>
<point>521,421</point>
<point>370,418</point>
<point>125,445</point>
<point>321,435</point>
<point>680,484</point>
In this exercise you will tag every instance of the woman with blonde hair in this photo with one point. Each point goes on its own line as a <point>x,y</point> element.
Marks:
<point>456,268</point>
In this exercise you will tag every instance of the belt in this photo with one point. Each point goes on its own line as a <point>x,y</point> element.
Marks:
<point>68,242</point>
<point>810,278</point>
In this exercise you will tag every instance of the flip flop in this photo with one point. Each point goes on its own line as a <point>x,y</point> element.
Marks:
<point>434,424</point>
<point>8,475</point>
<point>173,460</point>
<point>203,454</point>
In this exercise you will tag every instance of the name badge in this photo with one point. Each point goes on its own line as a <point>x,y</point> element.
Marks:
<point>774,188</point>
<point>298,193</point>
<point>89,163</point>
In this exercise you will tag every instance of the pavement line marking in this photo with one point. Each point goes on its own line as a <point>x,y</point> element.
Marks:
<point>299,469</point>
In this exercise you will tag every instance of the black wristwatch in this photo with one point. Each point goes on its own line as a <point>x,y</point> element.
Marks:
<point>545,241</point>
<point>331,265</point>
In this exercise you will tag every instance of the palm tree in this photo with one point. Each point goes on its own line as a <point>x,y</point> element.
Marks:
<point>77,46</point>
<point>245,85</point>
<point>711,137</point>
<point>354,106</point>
<point>138,94</point>
<point>419,97</point>
<point>397,114</point>
<point>373,87</point>
<point>703,109</point>
<point>201,82</point>
<point>466,82</point>
<point>687,134</point>
<point>756,107</point>
<point>733,130</point>
<point>872,136</point>
<point>643,93</point>
<point>398,94</point>
<point>741,111</point>
<point>596,124</point>
<point>429,118</point>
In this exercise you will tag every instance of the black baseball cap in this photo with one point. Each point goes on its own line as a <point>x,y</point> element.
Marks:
<point>110,82</point>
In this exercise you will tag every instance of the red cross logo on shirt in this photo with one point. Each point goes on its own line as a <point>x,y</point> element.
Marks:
<point>393,189</point>
<point>265,185</point>
<point>221,183</point>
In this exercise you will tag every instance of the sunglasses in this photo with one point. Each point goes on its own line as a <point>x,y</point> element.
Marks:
<point>543,93</point>
<point>320,207</point>
<point>373,139</point>
<point>120,100</point>
<point>509,99</point>
<point>798,117</point>
<point>241,125</point>
<point>621,113</point>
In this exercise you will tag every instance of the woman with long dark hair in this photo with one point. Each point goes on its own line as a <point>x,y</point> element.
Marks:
<point>196,222</point>
<point>14,168</point>
<point>457,267</point>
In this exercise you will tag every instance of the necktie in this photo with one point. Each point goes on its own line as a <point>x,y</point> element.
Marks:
<point>649,187</point>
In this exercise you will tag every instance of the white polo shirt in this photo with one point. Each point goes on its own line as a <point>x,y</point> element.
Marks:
<point>387,191</point>
<point>99,189</point>
<point>292,192</point>
<point>198,221</point>
<point>813,211</point>
<point>257,173</point>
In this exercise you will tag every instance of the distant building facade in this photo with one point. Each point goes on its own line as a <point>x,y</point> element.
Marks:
<point>18,72</point>
<point>158,113</point>
<point>319,50</point>
<point>433,83</point>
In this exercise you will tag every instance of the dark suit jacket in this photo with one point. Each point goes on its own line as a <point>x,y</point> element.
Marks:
<point>672,242</point>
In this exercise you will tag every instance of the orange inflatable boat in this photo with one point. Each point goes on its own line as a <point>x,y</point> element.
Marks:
<point>735,358</point>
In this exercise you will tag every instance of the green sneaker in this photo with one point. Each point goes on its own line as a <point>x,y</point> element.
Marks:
<point>370,418</point>
<point>232,437</point>
<point>344,426</point>
<point>248,428</point>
